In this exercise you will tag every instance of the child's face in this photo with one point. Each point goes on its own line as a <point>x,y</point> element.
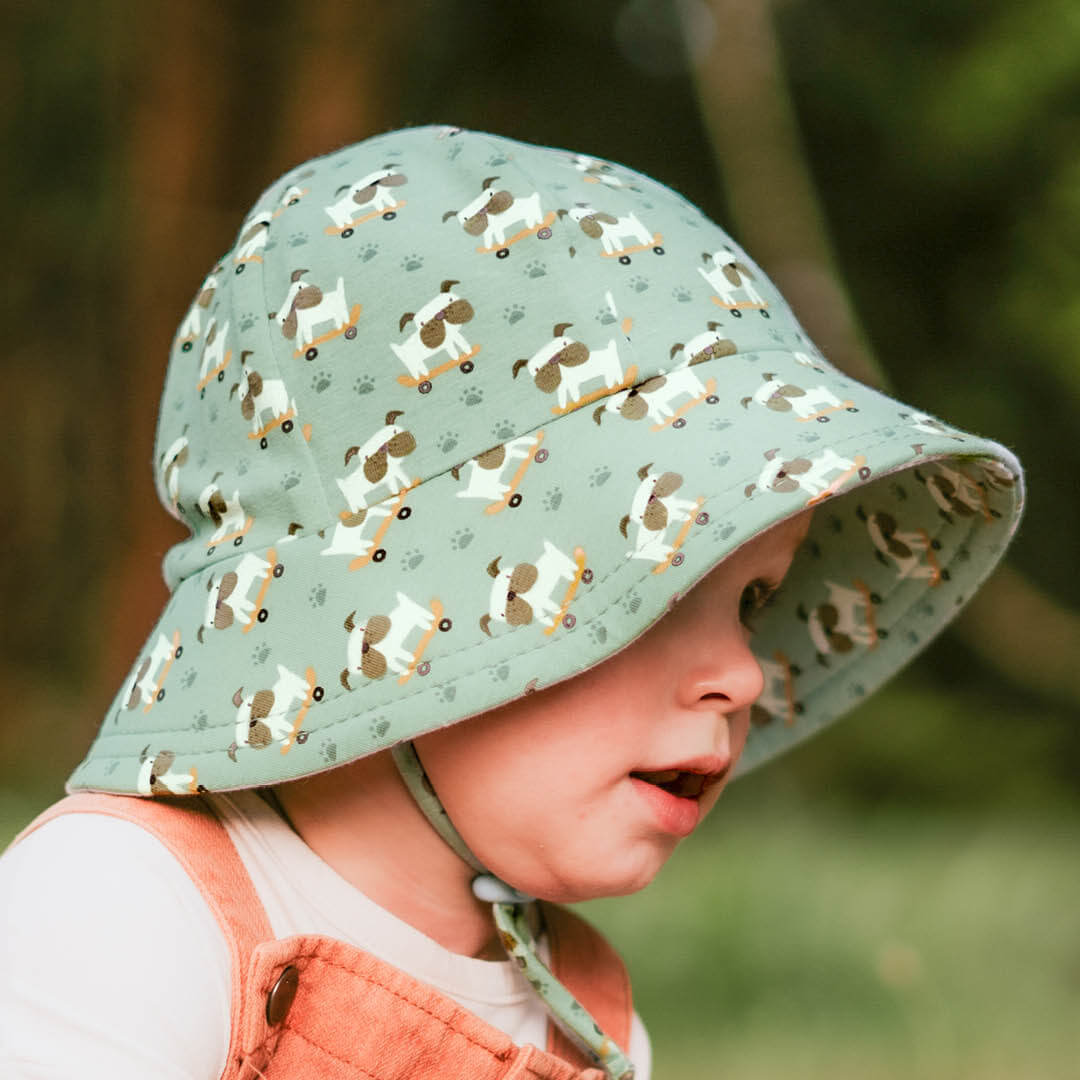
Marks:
<point>545,790</point>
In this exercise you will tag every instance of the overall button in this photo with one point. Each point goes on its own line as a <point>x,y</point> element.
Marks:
<point>280,998</point>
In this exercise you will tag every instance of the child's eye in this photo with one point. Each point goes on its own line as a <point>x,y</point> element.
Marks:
<point>757,596</point>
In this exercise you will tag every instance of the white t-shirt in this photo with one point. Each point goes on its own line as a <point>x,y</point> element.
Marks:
<point>75,1003</point>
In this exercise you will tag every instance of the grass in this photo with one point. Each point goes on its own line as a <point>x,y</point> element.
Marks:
<point>794,942</point>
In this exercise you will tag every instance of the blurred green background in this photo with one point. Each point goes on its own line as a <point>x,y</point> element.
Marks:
<point>902,897</point>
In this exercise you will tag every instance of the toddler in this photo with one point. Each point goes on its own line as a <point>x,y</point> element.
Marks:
<point>494,459</point>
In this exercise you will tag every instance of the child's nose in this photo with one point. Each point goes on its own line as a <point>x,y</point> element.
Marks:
<point>729,676</point>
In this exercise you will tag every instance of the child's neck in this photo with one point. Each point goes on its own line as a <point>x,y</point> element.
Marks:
<point>361,820</point>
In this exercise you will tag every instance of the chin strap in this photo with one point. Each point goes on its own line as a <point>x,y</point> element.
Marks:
<point>509,907</point>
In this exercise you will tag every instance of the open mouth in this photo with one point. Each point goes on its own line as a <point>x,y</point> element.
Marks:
<point>678,782</point>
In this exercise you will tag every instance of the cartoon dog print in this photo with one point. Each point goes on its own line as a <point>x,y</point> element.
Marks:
<point>191,326</point>
<point>213,351</point>
<point>565,365</point>
<point>777,699</point>
<point>378,644</point>
<point>370,194</point>
<point>263,717</point>
<point>253,236</point>
<point>290,197</point>
<point>929,425</point>
<point>656,397</point>
<point>487,470</point>
<point>610,230</point>
<point>957,493</point>
<point>526,591</point>
<point>144,684</point>
<point>912,551</point>
<point>708,345</point>
<point>813,404</point>
<point>306,307</point>
<point>818,477</point>
<point>846,620</point>
<point>596,171</point>
<point>259,397</point>
<point>491,213</point>
<point>379,463</point>
<point>728,275</point>
<point>349,538</point>
<point>654,509</point>
<point>227,515</point>
<point>437,329</point>
<point>228,599</point>
<point>170,463</point>
<point>156,776</point>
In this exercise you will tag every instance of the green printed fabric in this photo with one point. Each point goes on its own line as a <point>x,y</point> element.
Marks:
<point>456,417</point>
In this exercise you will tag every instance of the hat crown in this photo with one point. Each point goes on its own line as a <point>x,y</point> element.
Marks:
<point>398,307</point>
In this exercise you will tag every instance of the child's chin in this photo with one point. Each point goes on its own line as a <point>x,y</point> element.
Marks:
<point>599,880</point>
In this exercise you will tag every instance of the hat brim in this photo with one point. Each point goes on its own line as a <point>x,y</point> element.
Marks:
<point>911,517</point>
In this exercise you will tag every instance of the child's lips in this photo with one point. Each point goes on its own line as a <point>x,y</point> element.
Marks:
<point>674,793</point>
<point>688,779</point>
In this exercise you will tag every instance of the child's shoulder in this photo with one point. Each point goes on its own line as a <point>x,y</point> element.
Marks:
<point>102,931</point>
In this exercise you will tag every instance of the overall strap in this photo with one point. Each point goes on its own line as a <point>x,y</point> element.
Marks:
<point>336,1012</point>
<point>199,842</point>
<point>594,973</point>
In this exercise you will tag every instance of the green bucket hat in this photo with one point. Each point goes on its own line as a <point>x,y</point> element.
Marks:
<point>508,402</point>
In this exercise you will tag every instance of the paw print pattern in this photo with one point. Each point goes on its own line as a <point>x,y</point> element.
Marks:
<point>412,559</point>
<point>412,262</point>
<point>720,459</point>
<point>461,539</point>
<point>632,602</point>
<point>599,476</point>
<point>364,385</point>
<point>202,721</point>
<point>448,440</point>
<point>379,727</point>
<point>241,466</point>
<point>321,381</point>
<point>317,595</point>
<point>298,240</point>
<point>638,283</point>
<point>260,654</point>
<point>189,677</point>
<point>605,316</point>
<point>681,294</point>
<point>598,632</point>
<point>497,159</point>
<point>247,320</point>
<point>719,423</point>
<point>514,313</point>
<point>328,751</point>
<point>502,430</point>
<point>553,498</point>
<point>723,529</point>
<point>472,395</point>
<point>368,252</point>
<point>535,269</point>
<point>290,479</point>
<point>448,692</point>
<point>500,673</point>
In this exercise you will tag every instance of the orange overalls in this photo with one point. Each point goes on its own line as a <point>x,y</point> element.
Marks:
<point>313,1007</point>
